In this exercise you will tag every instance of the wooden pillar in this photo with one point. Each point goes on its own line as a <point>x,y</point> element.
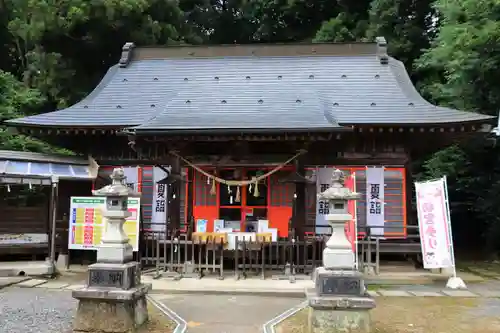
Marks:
<point>53,219</point>
<point>189,202</point>
<point>299,209</point>
<point>409,193</point>
<point>175,199</point>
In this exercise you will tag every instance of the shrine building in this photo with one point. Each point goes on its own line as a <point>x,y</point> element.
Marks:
<point>241,133</point>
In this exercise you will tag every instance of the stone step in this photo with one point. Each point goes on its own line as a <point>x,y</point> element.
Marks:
<point>12,280</point>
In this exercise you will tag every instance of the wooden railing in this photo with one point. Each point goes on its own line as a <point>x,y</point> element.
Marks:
<point>179,256</point>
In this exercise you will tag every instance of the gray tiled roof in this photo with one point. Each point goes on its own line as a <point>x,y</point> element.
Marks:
<point>248,92</point>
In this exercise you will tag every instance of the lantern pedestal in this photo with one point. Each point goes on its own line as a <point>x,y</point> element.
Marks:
<point>114,299</point>
<point>338,252</point>
<point>115,247</point>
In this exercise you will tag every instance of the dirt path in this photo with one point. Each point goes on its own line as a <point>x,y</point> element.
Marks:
<point>226,313</point>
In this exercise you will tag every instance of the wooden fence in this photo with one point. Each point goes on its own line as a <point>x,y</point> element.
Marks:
<point>180,256</point>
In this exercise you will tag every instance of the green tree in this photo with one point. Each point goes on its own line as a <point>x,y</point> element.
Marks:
<point>466,55</point>
<point>15,98</point>
<point>342,28</point>
<point>348,25</point>
<point>408,26</point>
<point>54,41</point>
<point>464,60</point>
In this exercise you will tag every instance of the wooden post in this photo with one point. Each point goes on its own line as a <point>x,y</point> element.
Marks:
<point>53,220</point>
<point>409,192</point>
<point>189,202</point>
<point>299,211</point>
<point>175,208</point>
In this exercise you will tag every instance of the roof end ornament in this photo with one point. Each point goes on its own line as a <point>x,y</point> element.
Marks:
<point>493,134</point>
<point>382,55</point>
<point>496,131</point>
<point>126,56</point>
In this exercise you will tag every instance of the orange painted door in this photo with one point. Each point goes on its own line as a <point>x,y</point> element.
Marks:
<point>204,203</point>
<point>279,211</point>
<point>278,218</point>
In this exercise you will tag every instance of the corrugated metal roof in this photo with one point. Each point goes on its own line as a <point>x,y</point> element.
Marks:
<point>22,167</point>
<point>249,92</point>
<point>39,157</point>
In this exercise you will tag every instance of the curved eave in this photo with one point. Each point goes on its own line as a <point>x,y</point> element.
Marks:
<point>215,131</point>
<point>66,130</point>
<point>80,116</point>
<point>422,113</point>
<point>475,121</point>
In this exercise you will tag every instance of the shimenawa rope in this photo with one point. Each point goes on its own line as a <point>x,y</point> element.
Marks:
<point>254,181</point>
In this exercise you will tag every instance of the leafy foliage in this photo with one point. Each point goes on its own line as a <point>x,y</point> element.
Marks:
<point>466,54</point>
<point>408,25</point>
<point>14,97</point>
<point>464,60</point>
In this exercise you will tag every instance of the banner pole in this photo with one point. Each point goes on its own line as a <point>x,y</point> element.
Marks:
<point>454,282</point>
<point>450,233</point>
<point>356,256</point>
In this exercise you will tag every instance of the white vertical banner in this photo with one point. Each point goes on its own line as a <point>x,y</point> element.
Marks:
<point>132,174</point>
<point>323,180</point>
<point>434,224</point>
<point>159,212</point>
<point>375,216</point>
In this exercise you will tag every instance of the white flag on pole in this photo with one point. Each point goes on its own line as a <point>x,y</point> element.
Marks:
<point>323,180</point>
<point>435,228</point>
<point>375,216</point>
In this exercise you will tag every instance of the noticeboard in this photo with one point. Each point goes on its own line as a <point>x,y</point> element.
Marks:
<point>86,224</point>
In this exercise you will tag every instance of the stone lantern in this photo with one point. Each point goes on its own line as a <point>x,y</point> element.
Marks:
<point>114,299</point>
<point>115,247</point>
<point>338,252</point>
<point>339,301</point>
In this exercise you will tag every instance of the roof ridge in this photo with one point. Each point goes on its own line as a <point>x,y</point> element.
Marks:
<point>130,52</point>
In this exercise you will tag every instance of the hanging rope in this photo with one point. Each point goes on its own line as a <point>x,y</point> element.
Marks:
<point>254,181</point>
<point>238,198</point>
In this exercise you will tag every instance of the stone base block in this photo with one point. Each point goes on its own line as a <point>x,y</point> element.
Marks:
<point>124,276</point>
<point>339,321</point>
<point>102,310</point>
<point>339,258</point>
<point>335,282</point>
<point>339,314</point>
<point>115,253</point>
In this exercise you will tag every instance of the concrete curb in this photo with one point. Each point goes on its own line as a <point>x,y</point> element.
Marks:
<point>181,323</point>
<point>242,292</point>
<point>13,283</point>
<point>269,326</point>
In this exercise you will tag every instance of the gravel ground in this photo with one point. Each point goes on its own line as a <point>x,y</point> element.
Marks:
<point>26,310</point>
<point>420,315</point>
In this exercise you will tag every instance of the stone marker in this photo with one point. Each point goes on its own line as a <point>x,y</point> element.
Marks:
<point>339,301</point>
<point>114,299</point>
